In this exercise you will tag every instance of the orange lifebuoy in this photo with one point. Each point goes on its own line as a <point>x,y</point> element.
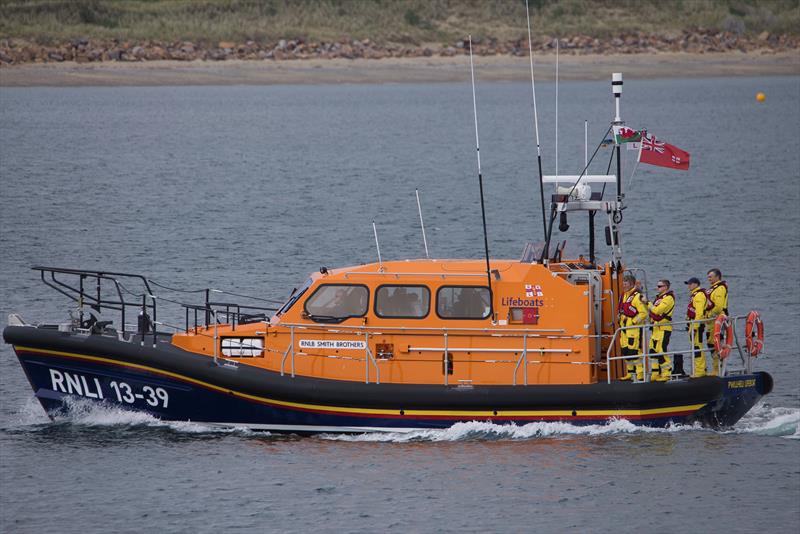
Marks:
<point>723,327</point>
<point>754,330</point>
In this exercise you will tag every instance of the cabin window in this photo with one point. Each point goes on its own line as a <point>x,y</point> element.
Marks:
<point>295,296</point>
<point>412,302</point>
<point>333,303</point>
<point>463,302</point>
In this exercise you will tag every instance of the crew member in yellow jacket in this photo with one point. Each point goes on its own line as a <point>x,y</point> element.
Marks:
<point>697,311</point>
<point>717,305</point>
<point>661,317</point>
<point>632,313</point>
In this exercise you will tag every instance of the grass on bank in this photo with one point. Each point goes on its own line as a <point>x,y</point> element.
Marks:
<point>399,21</point>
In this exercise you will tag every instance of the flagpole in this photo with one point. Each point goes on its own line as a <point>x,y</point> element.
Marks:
<point>536,122</point>
<point>480,178</point>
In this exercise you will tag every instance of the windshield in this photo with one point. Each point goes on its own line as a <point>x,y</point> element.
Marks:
<point>337,302</point>
<point>296,294</point>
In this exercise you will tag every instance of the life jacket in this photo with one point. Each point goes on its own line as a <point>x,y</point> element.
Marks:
<point>691,313</point>
<point>709,291</point>
<point>626,306</point>
<point>668,316</point>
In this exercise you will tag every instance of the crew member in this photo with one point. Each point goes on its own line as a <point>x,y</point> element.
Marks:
<point>717,304</point>
<point>632,314</point>
<point>697,311</point>
<point>661,317</point>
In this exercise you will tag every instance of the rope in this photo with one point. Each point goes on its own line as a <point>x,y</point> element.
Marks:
<point>583,172</point>
<point>271,301</point>
<point>630,180</point>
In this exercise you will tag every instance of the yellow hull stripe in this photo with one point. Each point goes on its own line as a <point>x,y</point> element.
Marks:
<point>374,411</point>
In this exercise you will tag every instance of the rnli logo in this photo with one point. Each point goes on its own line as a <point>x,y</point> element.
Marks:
<point>532,299</point>
<point>533,291</point>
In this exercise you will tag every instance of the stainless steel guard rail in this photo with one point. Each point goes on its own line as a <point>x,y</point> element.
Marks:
<point>647,356</point>
<point>446,347</point>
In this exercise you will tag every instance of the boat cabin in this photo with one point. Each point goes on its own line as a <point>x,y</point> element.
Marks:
<point>432,322</point>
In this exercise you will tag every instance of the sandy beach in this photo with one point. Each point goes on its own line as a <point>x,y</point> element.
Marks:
<point>396,70</point>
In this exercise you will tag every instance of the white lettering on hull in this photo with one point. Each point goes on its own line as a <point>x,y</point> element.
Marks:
<point>75,384</point>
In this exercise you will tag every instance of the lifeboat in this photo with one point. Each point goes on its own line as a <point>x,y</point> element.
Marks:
<point>391,346</point>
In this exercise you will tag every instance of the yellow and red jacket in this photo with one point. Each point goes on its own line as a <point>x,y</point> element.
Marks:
<point>661,312</point>
<point>697,305</point>
<point>717,296</point>
<point>632,312</point>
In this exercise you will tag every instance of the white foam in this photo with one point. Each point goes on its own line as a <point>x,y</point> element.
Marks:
<point>767,420</point>
<point>490,431</point>
<point>763,420</point>
<point>96,414</point>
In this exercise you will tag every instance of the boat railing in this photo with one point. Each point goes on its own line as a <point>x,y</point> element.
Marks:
<point>690,327</point>
<point>228,313</point>
<point>96,291</point>
<point>446,346</point>
<point>85,287</point>
<point>369,358</point>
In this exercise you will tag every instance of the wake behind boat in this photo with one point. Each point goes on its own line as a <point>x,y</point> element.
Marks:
<point>398,345</point>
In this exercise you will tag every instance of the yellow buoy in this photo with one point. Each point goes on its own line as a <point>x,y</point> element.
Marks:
<point>761,97</point>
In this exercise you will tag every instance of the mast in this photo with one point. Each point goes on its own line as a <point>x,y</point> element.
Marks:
<point>616,88</point>
<point>536,122</point>
<point>591,212</point>
<point>549,233</point>
<point>557,46</point>
<point>480,177</point>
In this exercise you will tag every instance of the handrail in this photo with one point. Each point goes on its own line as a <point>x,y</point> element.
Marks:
<point>398,275</point>
<point>286,352</point>
<point>368,357</point>
<point>647,356</point>
<point>500,332</point>
<point>78,291</point>
<point>523,356</point>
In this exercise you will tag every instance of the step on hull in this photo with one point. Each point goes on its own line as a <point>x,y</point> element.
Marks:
<point>174,385</point>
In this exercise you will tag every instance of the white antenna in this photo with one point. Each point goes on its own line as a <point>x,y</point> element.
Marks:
<point>536,121</point>
<point>422,224</point>
<point>480,176</point>
<point>377,245</point>
<point>474,105</point>
<point>557,45</point>
<point>533,86</point>
<point>585,144</point>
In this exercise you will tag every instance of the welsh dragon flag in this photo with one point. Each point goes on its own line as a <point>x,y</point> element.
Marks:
<point>623,134</point>
<point>655,152</point>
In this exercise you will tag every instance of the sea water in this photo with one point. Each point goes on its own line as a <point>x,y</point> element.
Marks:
<point>248,189</point>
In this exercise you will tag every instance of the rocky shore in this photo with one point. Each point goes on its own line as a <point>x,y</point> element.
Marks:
<point>699,41</point>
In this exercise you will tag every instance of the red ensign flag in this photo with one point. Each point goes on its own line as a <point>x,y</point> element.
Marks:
<point>663,154</point>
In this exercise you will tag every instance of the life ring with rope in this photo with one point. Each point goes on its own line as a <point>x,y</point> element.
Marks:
<point>723,327</point>
<point>754,332</point>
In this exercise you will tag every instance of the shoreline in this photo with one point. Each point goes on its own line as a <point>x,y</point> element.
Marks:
<point>398,70</point>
